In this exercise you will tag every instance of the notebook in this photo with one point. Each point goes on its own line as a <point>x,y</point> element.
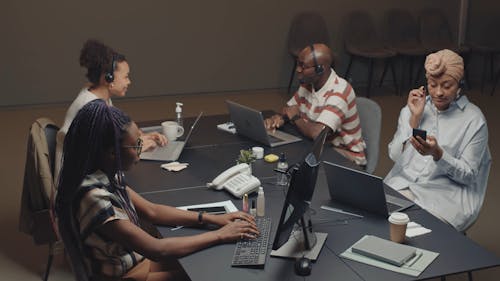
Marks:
<point>172,150</point>
<point>361,190</point>
<point>384,250</point>
<point>250,123</point>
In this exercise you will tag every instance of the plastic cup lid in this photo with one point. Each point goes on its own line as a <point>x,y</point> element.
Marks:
<point>399,218</point>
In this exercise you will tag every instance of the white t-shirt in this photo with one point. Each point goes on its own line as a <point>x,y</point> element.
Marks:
<point>84,97</point>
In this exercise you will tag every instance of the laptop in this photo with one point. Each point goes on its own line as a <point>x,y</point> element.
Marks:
<point>361,190</point>
<point>172,150</point>
<point>250,123</point>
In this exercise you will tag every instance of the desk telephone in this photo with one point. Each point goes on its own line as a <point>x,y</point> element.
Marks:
<point>237,180</point>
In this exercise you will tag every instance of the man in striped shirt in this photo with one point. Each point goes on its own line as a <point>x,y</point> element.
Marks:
<point>323,99</point>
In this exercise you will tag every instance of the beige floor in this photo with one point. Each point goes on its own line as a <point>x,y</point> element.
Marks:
<point>20,259</point>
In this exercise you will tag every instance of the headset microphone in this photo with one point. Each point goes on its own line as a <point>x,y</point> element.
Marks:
<point>318,68</point>
<point>109,76</point>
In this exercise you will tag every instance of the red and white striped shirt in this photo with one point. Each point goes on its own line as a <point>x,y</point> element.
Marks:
<point>334,105</point>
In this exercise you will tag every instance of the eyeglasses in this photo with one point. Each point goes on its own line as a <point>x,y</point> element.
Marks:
<point>138,147</point>
<point>302,66</point>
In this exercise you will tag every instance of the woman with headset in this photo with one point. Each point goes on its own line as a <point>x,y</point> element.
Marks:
<point>98,214</point>
<point>108,75</point>
<point>444,169</point>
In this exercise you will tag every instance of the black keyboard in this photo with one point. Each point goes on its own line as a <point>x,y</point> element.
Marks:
<point>253,252</point>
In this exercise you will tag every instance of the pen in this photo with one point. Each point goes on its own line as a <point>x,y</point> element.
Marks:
<point>176,228</point>
<point>340,211</point>
<point>417,257</point>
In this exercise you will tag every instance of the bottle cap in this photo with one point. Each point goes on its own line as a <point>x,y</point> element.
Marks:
<point>399,218</point>
<point>261,189</point>
<point>178,108</point>
<point>282,157</point>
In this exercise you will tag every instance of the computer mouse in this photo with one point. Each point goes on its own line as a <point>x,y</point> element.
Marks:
<point>303,266</point>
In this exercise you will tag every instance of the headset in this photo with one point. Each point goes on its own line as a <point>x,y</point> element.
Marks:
<point>318,68</point>
<point>109,76</point>
<point>461,83</point>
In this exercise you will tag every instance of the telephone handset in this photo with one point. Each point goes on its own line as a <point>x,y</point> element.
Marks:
<point>237,180</point>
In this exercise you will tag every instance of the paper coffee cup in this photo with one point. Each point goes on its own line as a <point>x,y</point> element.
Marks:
<point>398,222</point>
<point>258,152</point>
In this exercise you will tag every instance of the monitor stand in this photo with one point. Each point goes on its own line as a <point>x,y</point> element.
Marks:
<point>303,242</point>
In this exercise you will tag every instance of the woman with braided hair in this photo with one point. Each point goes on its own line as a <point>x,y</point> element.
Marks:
<point>99,214</point>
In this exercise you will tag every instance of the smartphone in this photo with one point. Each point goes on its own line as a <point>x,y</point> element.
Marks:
<point>210,210</point>
<point>421,133</point>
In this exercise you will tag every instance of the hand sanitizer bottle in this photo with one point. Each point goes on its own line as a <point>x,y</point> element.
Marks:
<point>281,177</point>
<point>261,203</point>
<point>178,114</point>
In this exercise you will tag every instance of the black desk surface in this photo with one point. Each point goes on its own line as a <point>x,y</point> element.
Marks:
<point>211,151</point>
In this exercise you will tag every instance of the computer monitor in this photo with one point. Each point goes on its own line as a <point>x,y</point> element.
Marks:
<point>294,236</point>
<point>298,198</point>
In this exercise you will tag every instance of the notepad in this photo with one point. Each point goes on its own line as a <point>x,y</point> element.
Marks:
<point>384,250</point>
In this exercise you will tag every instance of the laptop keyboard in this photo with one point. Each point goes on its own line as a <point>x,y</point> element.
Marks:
<point>395,200</point>
<point>253,252</point>
<point>274,139</point>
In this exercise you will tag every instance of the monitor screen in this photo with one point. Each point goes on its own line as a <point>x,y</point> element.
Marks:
<point>298,197</point>
<point>319,143</point>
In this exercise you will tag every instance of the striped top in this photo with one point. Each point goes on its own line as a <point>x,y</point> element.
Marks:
<point>98,206</point>
<point>334,105</point>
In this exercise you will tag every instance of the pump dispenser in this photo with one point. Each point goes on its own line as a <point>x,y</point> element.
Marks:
<point>178,114</point>
<point>261,203</point>
<point>281,177</point>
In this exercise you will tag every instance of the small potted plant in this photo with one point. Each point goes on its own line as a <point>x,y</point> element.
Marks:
<point>246,156</point>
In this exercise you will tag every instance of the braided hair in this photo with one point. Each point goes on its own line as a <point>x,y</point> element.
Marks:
<point>98,59</point>
<point>95,130</point>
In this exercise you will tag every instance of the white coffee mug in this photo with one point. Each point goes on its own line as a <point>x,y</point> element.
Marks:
<point>172,130</point>
<point>258,152</point>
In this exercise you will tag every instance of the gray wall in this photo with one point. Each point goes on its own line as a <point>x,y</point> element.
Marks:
<point>173,46</point>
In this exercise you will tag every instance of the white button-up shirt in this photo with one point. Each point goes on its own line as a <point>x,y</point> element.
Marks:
<point>453,187</point>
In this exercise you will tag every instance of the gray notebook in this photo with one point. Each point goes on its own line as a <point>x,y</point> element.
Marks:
<point>384,250</point>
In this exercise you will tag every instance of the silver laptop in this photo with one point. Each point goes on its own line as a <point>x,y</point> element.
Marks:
<point>361,190</point>
<point>172,150</point>
<point>250,123</point>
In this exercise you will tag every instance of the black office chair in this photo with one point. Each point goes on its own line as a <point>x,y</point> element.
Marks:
<point>361,41</point>
<point>401,34</point>
<point>306,28</point>
<point>487,45</point>
<point>435,35</point>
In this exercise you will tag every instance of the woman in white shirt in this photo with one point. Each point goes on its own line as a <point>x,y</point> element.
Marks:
<point>108,75</point>
<point>447,173</point>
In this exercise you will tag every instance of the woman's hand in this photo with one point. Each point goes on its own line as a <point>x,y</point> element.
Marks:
<point>224,219</point>
<point>429,147</point>
<point>416,104</point>
<point>152,140</point>
<point>237,230</point>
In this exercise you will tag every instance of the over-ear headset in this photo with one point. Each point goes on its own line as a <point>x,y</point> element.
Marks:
<point>109,76</point>
<point>318,68</point>
<point>461,83</point>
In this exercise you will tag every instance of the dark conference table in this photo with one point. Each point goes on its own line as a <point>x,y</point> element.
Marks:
<point>211,151</point>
